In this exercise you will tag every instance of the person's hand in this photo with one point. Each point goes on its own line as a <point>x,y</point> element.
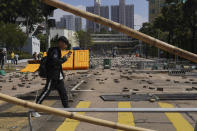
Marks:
<point>68,55</point>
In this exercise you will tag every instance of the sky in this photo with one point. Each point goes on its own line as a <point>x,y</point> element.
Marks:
<point>140,9</point>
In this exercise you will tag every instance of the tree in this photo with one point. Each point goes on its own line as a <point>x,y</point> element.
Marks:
<point>12,37</point>
<point>169,20</point>
<point>149,29</point>
<point>9,10</point>
<point>173,22</point>
<point>84,38</point>
<point>54,41</point>
<point>43,42</point>
<point>32,10</point>
<point>190,16</point>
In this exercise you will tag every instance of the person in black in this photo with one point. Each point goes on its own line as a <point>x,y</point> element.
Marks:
<point>55,76</point>
<point>2,58</point>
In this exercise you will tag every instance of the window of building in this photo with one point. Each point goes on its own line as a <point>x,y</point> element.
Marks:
<point>152,1</point>
<point>153,11</point>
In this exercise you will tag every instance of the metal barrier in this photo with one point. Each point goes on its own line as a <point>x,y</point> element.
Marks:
<point>109,110</point>
<point>71,115</point>
<point>152,110</point>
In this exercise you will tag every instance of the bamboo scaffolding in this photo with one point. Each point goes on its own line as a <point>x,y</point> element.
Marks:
<point>70,115</point>
<point>124,29</point>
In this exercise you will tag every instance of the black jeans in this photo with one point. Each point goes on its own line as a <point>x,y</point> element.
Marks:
<point>59,86</point>
<point>2,63</point>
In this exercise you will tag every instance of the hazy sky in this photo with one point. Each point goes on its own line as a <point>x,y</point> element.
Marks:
<point>140,8</point>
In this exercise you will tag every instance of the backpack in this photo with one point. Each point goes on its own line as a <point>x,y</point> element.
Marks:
<point>42,69</point>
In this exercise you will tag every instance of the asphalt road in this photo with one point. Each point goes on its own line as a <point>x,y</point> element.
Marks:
<point>102,82</point>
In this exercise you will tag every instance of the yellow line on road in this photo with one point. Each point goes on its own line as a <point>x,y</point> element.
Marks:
<point>177,119</point>
<point>125,117</point>
<point>71,125</point>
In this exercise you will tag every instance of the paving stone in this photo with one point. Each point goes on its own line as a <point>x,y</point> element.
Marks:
<point>144,86</point>
<point>98,79</point>
<point>135,89</point>
<point>188,89</point>
<point>21,85</point>
<point>194,82</point>
<point>152,100</point>
<point>176,81</point>
<point>150,82</point>
<point>159,89</point>
<point>116,81</point>
<point>151,88</point>
<point>194,88</point>
<point>125,89</point>
<point>14,88</point>
<point>3,81</point>
<point>101,82</point>
<point>187,82</point>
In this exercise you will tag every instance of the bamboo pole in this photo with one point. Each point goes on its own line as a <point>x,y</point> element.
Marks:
<point>70,115</point>
<point>124,29</point>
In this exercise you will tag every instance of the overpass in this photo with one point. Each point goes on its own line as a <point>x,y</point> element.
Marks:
<point>112,39</point>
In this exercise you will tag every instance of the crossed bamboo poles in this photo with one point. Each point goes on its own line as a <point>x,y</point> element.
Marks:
<point>135,34</point>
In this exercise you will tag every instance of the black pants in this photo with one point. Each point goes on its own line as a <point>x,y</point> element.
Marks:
<point>59,86</point>
<point>16,62</point>
<point>2,63</point>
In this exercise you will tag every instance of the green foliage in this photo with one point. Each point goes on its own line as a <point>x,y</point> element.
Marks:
<point>33,11</point>
<point>177,24</point>
<point>54,41</point>
<point>12,37</point>
<point>43,42</point>
<point>22,55</point>
<point>84,38</point>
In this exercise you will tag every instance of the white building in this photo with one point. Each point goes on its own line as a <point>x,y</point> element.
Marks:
<point>69,34</point>
<point>33,45</point>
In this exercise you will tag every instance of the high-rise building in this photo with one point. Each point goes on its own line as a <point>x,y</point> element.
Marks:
<point>123,14</point>
<point>115,13</point>
<point>129,16</point>
<point>122,18</point>
<point>155,7</point>
<point>70,22</point>
<point>90,24</point>
<point>98,10</point>
<point>78,23</point>
<point>97,5</point>
<point>104,12</point>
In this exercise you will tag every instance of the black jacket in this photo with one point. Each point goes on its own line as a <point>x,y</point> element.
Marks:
<point>54,63</point>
